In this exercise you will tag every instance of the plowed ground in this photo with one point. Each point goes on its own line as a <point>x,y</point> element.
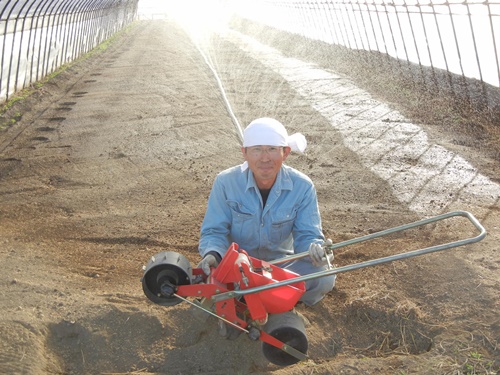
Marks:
<point>112,162</point>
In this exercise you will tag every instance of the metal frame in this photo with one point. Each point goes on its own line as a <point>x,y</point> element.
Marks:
<point>43,35</point>
<point>352,267</point>
<point>350,18</point>
<point>434,45</point>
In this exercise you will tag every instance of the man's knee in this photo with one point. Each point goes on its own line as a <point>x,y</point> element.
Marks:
<point>316,289</point>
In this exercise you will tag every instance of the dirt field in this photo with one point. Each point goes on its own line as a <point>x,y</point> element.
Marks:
<point>112,162</point>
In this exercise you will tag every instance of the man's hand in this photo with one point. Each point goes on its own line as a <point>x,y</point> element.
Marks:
<point>318,255</point>
<point>208,262</point>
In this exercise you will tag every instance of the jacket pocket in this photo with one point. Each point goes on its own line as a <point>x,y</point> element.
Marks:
<point>244,223</point>
<point>239,211</point>
<point>282,225</point>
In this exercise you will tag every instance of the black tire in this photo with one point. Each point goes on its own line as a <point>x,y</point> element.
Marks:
<point>164,272</point>
<point>289,328</point>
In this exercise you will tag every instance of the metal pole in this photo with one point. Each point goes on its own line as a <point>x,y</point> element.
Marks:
<point>377,12</point>
<point>34,32</point>
<point>12,52</point>
<point>331,25</point>
<point>75,25</point>
<point>348,19</point>
<point>410,22</point>
<point>20,55</point>
<point>495,49</point>
<point>358,29</point>
<point>39,58</point>
<point>401,33</point>
<point>3,45</point>
<point>364,26</point>
<point>344,41</point>
<point>67,29</point>
<point>55,15</point>
<point>469,14</point>
<point>369,263</point>
<point>82,28</point>
<point>346,33</point>
<point>427,44</point>
<point>390,29</point>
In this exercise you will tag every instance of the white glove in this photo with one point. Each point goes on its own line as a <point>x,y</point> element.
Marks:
<point>318,255</point>
<point>208,262</point>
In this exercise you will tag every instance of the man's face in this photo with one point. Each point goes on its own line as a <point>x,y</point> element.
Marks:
<point>265,163</point>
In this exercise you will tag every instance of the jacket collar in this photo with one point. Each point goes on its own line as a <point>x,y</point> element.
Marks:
<point>283,181</point>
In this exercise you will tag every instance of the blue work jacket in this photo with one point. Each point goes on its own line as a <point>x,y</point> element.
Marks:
<point>289,222</point>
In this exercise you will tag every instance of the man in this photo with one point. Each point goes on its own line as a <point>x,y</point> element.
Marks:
<point>269,209</point>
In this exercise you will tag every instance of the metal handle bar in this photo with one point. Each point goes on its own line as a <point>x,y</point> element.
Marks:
<point>352,267</point>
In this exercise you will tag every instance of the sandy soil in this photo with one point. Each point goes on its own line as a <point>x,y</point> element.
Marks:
<point>112,162</point>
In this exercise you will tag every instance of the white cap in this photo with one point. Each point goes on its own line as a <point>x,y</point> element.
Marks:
<point>270,132</point>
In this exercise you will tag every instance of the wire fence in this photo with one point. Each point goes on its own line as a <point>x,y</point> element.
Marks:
<point>39,36</point>
<point>462,37</point>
